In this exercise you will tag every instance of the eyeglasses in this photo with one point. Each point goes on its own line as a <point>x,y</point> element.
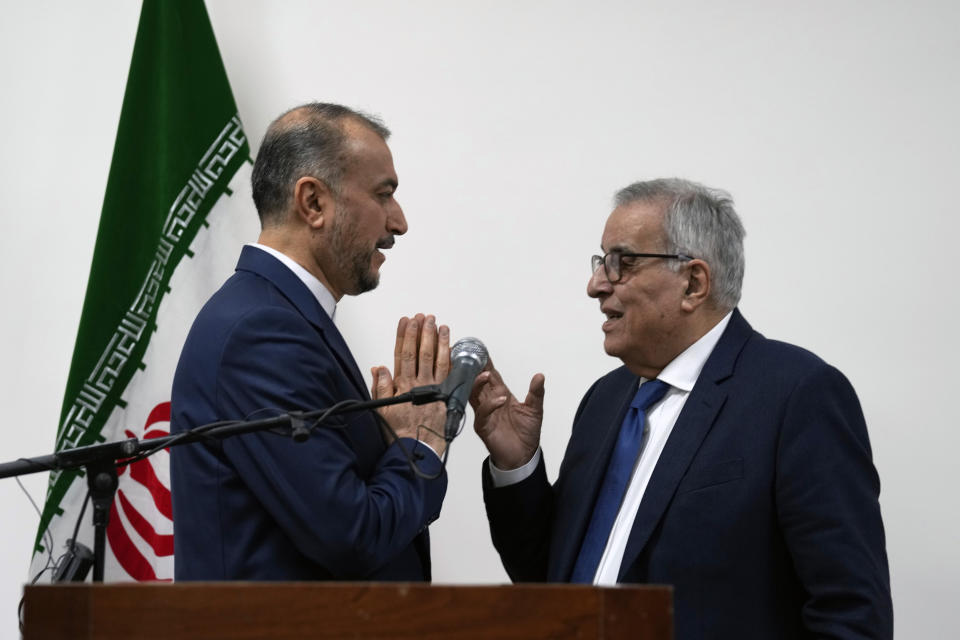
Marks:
<point>611,262</point>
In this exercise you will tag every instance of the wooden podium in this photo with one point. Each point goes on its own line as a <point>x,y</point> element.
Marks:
<point>300,610</point>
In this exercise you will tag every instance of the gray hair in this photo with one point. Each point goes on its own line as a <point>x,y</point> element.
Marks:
<point>699,222</point>
<point>308,140</point>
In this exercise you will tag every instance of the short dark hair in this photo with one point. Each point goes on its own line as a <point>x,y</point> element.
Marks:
<point>308,140</point>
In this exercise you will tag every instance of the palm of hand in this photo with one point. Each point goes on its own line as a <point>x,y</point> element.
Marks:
<point>509,428</point>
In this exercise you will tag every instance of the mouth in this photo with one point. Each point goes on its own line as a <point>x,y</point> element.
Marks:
<point>382,245</point>
<point>612,318</point>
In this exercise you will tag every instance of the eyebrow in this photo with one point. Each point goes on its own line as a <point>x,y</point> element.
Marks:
<point>388,182</point>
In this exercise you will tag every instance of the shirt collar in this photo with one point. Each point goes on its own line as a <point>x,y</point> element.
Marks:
<point>683,371</point>
<point>320,292</point>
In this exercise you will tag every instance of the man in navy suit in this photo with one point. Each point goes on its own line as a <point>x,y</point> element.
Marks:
<point>746,481</point>
<point>354,500</point>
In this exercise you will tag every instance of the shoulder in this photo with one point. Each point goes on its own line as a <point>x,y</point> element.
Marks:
<point>781,359</point>
<point>607,391</point>
<point>762,347</point>
<point>741,349</point>
<point>617,379</point>
<point>246,319</point>
<point>246,300</point>
<point>243,293</point>
<point>781,373</point>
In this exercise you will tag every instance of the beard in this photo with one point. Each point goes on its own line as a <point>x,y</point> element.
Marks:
<point>353,260</point>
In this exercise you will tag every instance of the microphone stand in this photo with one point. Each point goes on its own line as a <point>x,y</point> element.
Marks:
<point>100,461</point>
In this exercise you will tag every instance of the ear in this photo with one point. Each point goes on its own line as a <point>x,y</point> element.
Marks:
<point>698,282</point>
<point>313,202</point>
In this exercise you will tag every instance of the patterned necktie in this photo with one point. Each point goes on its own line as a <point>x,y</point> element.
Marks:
<point>625,453</point>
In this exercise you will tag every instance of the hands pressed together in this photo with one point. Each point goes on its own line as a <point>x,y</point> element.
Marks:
<point>510,429</point>
<point>421,356</point>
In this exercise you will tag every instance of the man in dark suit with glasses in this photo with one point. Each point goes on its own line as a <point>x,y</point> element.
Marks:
<point>733,467</point>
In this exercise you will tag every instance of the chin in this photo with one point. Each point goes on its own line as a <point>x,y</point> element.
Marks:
<point>611,347</point>
<point>369,281</point>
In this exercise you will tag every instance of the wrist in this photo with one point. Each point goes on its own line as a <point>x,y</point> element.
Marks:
<point>506,477</point>
<point>510,463</point>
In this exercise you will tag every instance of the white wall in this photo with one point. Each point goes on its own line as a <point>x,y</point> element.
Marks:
<point>832,124</point>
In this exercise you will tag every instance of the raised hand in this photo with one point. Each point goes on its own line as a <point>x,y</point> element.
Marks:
<point>510,429</point>
<point>421,357</point>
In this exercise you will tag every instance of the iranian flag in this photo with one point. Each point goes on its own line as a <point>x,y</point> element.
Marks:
<point>176,211</point>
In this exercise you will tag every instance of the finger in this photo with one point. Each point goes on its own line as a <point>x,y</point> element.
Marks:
<point>407,364</point>
<point>382,383</point>
<point>484,409</point>
<point>421,319</point>
<point>480,385</point>
<point>495,377</point>
<point>534,398</point>
<point>428,350</point>
<point>398,346</point>
<point>443,354</point>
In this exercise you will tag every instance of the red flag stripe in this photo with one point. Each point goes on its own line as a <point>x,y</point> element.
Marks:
<point>162,544</point>
<point>160,413</point>
<point>124,550</point>
<point>143,473</point>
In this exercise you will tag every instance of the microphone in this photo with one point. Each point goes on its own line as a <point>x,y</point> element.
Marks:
<point>468,357</point>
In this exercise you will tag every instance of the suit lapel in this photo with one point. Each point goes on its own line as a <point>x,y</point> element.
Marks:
<point>704,404</point>
<point>265,265</point>
<point>342,351</point>
<point>586,478</point>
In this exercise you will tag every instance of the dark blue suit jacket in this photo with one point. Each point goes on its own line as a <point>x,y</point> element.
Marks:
<point>762,511</point>
<point>342,505</point>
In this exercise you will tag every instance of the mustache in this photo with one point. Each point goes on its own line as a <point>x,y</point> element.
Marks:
<point>385,242</point>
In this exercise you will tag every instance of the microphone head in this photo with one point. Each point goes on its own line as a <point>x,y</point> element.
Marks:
<point>469,348</point>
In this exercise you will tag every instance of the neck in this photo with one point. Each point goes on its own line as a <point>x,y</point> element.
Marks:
<point>284,241</point>
<point>703,323</point>
<point>695,327</point>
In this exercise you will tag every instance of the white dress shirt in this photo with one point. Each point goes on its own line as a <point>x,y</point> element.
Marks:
<point>681,374</point>
<point>320,292</point>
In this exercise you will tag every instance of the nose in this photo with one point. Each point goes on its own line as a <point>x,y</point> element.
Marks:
<point>598,284</point>
<point>396,222</point>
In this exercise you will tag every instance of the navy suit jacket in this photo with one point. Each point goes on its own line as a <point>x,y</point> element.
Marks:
<point>342,505</point>
<point>762,511</point>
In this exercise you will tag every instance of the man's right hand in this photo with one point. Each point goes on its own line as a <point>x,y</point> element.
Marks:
<point>421,357</point>
<point>510,429</point>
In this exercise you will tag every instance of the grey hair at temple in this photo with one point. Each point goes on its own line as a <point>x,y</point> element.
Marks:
<point>699,222</point>
<point>308,140</point>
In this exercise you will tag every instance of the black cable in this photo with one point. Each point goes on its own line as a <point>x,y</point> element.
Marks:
<point>76,528</point>
<point>24,597</point>
<point>48,538</point>
<point>46,532</point>
<point>201,430</point>
<point>411,460</point>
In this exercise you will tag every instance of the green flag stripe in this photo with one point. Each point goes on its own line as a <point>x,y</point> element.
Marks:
<point>179,142</point>
<point>182,221</point>
<point>104,385</point>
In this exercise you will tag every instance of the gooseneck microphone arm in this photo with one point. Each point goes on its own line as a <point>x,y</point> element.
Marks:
<point>101,460</point>
<point>125,450</point>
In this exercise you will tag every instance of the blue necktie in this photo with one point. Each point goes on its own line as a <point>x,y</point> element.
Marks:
<point>624,457</point>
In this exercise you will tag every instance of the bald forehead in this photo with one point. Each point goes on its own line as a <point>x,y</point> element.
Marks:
<point>298,117</point>
<point>346,123</point>
<point>635,226</point>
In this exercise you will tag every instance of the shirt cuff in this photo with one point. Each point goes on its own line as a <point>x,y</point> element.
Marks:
<point>503,478</point>
<point>424,443</point>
